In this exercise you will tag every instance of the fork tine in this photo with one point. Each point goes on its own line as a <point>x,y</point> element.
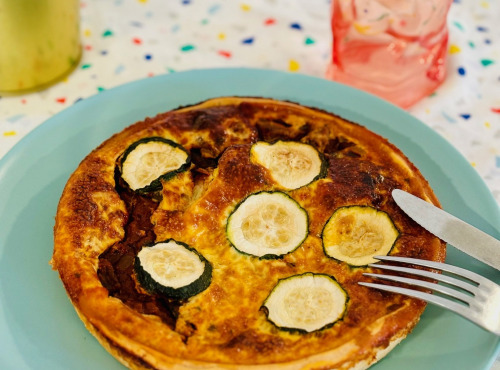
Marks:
<point>436,265</point>
<point>432,275</point>
<point>424,284</point>
<point>443,302</point>
<point>481,308</point>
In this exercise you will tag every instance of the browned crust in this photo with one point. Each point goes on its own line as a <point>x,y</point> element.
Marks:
<point>91,217</point>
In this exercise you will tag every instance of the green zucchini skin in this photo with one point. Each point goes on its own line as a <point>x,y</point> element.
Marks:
<point>324,167</point>
<point>298,330</point>
<point>354,267</point>
<point>197,286</point>
<point>267,256</point>
<point>156,184</point>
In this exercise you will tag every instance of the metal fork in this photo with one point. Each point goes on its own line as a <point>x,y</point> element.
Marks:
<point>479,301</point>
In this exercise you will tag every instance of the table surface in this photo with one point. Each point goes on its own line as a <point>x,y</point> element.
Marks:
<point>125,40</point>
<point>129,40</point>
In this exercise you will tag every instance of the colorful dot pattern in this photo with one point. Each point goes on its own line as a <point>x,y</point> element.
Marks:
<point>465,109</point>
<point>126,40</point>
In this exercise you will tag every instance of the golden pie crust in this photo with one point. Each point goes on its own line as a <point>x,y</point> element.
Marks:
<point>224,326</point>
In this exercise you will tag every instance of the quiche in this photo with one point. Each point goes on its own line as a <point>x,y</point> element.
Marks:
<point>233,234</point>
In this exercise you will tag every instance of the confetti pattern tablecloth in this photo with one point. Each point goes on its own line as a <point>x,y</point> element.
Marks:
<point>126,40</point>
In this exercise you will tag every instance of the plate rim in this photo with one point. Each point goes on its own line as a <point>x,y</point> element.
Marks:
<point>107,94</point>
<point>53,122</point>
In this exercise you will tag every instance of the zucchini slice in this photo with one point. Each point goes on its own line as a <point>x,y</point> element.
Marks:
<point>355,234</point>
<point>306,302</point>
<point>291,164</point>
<point>267,225</point>
<point>173,269</point>
<point>151,159</point>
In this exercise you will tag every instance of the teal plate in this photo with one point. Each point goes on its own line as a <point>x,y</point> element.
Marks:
<point>39,328</point>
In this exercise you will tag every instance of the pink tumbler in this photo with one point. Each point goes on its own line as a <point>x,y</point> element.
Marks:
<point>395,49</point>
